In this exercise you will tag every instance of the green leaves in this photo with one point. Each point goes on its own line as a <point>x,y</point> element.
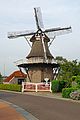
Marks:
<point>66,92</point>
<point>58,85</point>
<point>1,79</point>
<point>10,87</point>
<point>55,86</point>
<point>67,68</point>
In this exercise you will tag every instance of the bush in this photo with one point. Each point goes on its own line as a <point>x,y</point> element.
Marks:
<point>61,85</point>
<point>78,86</point>
<point>55,86</point>
<point>64,84</point>
<point>58,85</point>
<point>78,79</point>
<point>73,78</point>
<point>66,92</point>
<point>11,87</point>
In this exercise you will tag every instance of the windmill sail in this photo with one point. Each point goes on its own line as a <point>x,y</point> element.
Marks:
<point>20,34</point>
<point>57,31</point>
<point>38,18</point>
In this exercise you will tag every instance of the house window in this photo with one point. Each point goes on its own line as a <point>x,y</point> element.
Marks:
<point>20,81</point>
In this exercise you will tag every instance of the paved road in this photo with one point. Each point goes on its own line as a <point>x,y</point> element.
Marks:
<point>44,108</point>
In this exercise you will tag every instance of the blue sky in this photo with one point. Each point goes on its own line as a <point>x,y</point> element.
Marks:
<point>18,15</point>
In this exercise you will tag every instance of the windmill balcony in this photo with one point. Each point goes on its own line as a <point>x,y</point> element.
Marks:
<point>34,60</point>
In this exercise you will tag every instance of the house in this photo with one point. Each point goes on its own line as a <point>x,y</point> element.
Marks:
<point>16,77</point>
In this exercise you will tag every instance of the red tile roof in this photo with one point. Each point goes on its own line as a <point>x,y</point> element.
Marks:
<point>15,74</point>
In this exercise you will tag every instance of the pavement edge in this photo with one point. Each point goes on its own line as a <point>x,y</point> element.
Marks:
<point>25,114</point>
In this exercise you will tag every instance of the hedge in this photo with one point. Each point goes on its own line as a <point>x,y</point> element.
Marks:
<point>11,87</point>
<point>55,86</point>
<point>58,85</point>
<point>63,84</point>
<point>66,92</point>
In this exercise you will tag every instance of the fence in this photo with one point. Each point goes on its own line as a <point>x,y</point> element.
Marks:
<point>27,86</point>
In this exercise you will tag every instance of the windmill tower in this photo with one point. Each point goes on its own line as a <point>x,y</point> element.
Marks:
<point>39,63</point>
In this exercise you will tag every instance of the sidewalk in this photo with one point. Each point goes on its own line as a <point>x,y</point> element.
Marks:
<point>9,113</point>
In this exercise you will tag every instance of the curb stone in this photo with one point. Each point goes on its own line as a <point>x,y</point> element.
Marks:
<point>25,114</point>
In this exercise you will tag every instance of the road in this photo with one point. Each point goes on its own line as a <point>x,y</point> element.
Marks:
<point>44,108</point>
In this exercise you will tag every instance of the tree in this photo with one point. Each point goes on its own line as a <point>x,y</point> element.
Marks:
<point>1,78</point>
<point>67,68</point>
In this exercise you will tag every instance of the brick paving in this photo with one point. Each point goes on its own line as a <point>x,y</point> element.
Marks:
<point>9,113</point>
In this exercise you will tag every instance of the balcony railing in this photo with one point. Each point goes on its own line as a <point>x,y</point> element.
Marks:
<point>34,60</point>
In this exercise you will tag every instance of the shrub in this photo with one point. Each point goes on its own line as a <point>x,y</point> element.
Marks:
<point>66,92</point>
<point>64,84</point>
<point>78,79</point>
<point>11,87</point>
<point>78,86</point>
<point>73,78</point>
<point>58,85</point>
<point>55,86</point>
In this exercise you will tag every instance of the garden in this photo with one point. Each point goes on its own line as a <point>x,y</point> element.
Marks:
<point>68,79</point>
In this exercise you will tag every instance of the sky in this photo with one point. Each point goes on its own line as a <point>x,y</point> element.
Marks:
<point>18,15</point>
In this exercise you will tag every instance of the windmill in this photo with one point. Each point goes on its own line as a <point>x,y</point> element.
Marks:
<point>40,54</point>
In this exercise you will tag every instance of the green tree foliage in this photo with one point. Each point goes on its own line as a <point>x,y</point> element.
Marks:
<point>67,68</point>
<point>76,79</point>
<point>1,78</point>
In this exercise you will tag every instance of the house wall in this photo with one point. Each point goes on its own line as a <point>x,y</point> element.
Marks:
<point>14,80</point>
